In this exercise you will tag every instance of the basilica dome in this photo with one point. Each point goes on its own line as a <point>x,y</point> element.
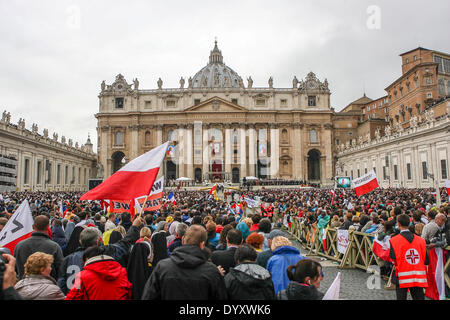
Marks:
<point>216,74</point>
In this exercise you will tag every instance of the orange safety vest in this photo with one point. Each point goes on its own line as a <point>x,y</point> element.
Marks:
<point>410,261</point>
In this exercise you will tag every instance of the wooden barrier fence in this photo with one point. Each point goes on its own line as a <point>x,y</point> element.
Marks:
<point>359,252</point>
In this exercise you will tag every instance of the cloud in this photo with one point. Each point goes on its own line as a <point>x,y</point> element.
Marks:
<point>56,53</point>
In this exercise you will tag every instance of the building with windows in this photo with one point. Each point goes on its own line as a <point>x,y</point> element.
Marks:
<point>220,129</point>
<point>416,157</point>
<point>33,161</point>
<point>410,147</point>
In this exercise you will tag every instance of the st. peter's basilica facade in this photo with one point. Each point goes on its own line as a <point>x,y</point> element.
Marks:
<point>220,129</point>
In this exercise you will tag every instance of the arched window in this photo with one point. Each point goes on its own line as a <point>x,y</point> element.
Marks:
<point>313,136</point>
<point>147,138</point>
<point>119,138</point>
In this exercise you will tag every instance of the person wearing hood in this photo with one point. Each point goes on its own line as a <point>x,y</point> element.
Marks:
<point>244,229</point>
<point>159,243</point>
<point>248,280</point>
<point>283,255</point>
<point>88,238</point>
<point>58,233</point>
<point>186,274</point>
<point>70,225</point>
<point>74,241</point>
<point>139,267</point>
<point>102,278</point>
<point>172,231</point>
<point>305,278</point>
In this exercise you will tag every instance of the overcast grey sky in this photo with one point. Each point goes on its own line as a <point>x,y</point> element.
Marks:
<point>55,54</point>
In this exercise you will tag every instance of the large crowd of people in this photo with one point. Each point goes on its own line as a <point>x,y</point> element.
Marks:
<point>197,247</point>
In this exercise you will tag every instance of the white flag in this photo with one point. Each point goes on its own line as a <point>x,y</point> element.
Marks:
<point>19,227</point>
<point>333,291</point>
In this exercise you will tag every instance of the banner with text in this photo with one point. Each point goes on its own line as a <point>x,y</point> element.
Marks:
<point>154,200</point>
<point>343,242</point>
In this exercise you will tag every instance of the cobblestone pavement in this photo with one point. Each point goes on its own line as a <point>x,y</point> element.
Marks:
<point>356,284</point>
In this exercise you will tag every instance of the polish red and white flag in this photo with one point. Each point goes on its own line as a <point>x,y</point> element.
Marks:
<point>365,184</point>
<point>133,180</point>
<point>436,274</point>
<point>382,248</point>
<point>447,187</point>
<point>18,227</point>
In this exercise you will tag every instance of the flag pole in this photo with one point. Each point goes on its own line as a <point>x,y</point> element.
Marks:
<point>142,208</point>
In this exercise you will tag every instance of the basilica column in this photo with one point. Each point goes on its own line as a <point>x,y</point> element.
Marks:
<point>188,152</point>
<point>134,141</point>
<point>298,145</point>
<point>274,151</point>
<point>228,149</point>
<point>242,153</point>
<point>159,137</point>
<point>251,150</point>
<point>181,150</point>
<point>206,152</point>
<point>327,140</point>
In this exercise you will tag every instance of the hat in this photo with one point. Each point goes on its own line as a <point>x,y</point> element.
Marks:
<point>169,219</point>
<point>275,233</point>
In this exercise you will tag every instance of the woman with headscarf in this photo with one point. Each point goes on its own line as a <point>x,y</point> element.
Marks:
<point>160,226</point>
<point>159,243</point>
<point>74,241</point>
<point>172,231</point>
<point>69,229</point>
<point>244,229</point>
<point>139,267</point>
<point>115,237</point>
<point>58,233</point>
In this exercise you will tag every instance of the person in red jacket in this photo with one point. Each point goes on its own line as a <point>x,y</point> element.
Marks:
<point>102,278</point>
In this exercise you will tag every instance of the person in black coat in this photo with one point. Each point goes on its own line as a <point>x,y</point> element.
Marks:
<point>225,258</point>
<point>159,242</point>
<point>125,220</point>
<point>187,274</point>
<point>248,280</point>
<point>38,241</point>
<point>120,251</point>
<point>139,269</point>
<point>58,234</point>
<point>74,241</point>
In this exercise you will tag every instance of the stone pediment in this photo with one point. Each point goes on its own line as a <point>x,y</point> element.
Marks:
<point>216,104</point>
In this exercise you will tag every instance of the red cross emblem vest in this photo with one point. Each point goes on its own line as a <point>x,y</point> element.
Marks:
<point>410,261</point>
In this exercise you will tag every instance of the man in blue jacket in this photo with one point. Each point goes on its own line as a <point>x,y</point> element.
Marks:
<point>284,255</point>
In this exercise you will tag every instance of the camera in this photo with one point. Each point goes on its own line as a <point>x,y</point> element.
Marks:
<point>2,259</point>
